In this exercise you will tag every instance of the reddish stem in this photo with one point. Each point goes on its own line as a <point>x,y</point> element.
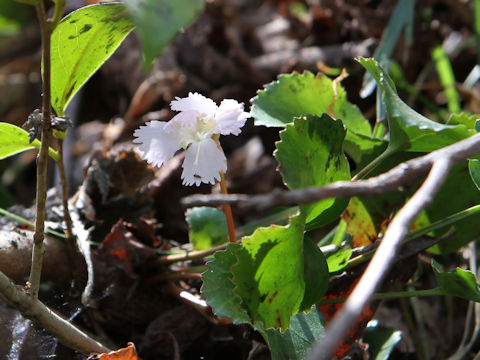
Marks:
<point>228,210</point>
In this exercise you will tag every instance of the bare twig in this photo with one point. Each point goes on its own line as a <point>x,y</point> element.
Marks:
<point>401,175</point>
<point>38,246</point>
<point>442,161</point>
<point>35,310</point>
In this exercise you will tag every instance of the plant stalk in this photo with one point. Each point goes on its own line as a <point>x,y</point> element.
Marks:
<point>42,160</point>
<point>228,210</point>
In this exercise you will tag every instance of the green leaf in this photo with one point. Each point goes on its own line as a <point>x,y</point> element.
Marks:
<point>296,342</point>
<point>208,227</point>
<point>218,286</point>
<point>474,168</point>
<point>158,21</point>
<point>81,43</point>
<point>409,130</point>
<point>381,341</point>
<point>14,140</point>
<point>338,260</point>
<point>467,119</point>
<point>296,95</point>
<point>269,274</point>
<point>315,274</point>
<point>460,283</point>
<point>310,154</point>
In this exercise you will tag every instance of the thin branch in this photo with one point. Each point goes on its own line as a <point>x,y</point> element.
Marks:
<point>401,175</point>
<point>377,269</point>
<point>42,161</point>
<point>35,310</point>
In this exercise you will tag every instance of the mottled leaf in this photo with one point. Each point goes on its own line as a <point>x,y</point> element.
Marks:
<point>338,260</point>
<point>269,274</point>
<point>80,44</point>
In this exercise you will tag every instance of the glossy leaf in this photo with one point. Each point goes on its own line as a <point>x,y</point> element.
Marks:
<point>310,153</point>
<point>14,140</point>
<point>81,43</point>
<point>409,130</point>
<point>208,227</point>
<point>460,283</point>
<point>269,274</point>
<point>158,21</point>
<point>218,287</point>
<point>295,343</point>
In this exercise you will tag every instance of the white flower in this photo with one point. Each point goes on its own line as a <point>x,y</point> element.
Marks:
<point>192,129</point>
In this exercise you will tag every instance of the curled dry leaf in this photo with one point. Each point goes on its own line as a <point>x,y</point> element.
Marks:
<point>128,353</point>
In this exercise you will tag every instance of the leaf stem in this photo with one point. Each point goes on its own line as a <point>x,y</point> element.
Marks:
<point>227,210</point>
<point>42,161</point>
<point>374,163</point>
<point>385,296</point>
<point>57,14</point>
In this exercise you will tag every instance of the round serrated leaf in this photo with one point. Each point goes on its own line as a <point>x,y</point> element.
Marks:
<point>80,44</point>
<point>310,154</point>
<point>294,95</point>
<point>208,227</point>
<point>297,341</point>
<point>269,274</point>
<point>218,286</point>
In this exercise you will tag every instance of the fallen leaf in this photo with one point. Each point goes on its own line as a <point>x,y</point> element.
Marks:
<point>128,353</point>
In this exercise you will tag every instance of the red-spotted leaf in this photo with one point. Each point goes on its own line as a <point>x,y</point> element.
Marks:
<point>269,274</point>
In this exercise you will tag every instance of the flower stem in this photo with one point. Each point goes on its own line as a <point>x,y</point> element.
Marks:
<point>228,210</point>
